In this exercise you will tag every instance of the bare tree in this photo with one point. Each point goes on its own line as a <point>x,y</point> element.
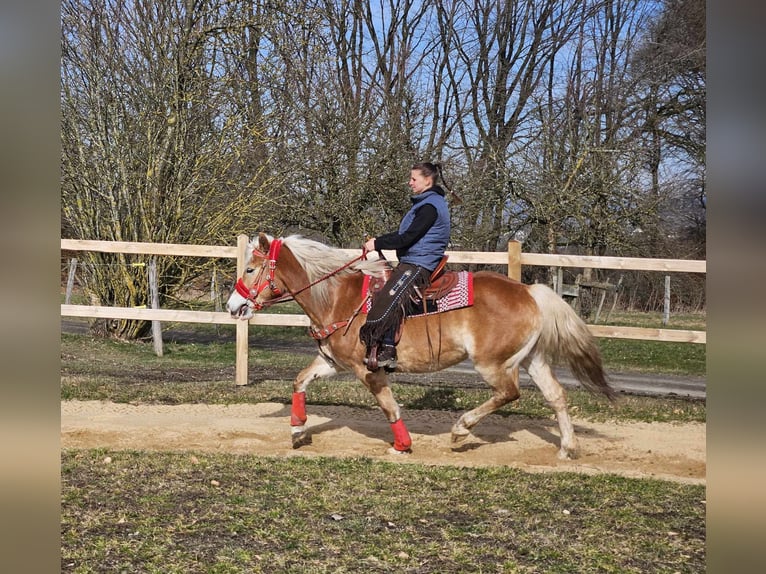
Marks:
<point>590,192</point>
<point>671,67</point>
<point>592,181</point>
<point>149,153</point>
<point>192,120</point>
<point>499,53</point>
<point>349,95</point>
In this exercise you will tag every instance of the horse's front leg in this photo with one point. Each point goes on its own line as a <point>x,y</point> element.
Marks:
<point>377,383</point>
<point>318,368</point>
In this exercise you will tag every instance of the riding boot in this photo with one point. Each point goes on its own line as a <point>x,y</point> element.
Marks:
<point>387,350</point>
<point>386,357</point>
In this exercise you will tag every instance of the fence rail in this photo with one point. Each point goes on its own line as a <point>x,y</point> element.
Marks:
<point>513,259</point>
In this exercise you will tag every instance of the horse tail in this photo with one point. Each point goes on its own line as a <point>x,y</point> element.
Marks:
<point>566,338</point>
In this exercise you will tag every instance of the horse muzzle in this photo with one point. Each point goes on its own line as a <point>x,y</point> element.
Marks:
<point>240,307</point>
<point>244,312</point>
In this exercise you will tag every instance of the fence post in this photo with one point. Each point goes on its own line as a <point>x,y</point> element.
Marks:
<point>242,326</point>
<point>215,296</point>
<point>155,298</point>
<point>666,313</point>
<point>514,259</point>
<point>70,280</point>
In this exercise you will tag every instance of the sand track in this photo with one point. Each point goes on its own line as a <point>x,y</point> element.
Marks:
<point>647,450</point>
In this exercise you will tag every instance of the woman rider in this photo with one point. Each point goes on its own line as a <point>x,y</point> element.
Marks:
<point>420,242</point>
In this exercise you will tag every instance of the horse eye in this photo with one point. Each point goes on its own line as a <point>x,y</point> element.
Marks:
<point>249,270</point>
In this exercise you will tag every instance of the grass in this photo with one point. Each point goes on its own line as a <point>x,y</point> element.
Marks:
<point>130,372</point>
<point>150,512</point>
<point>143,512</point>
<point>653,320</point>
<point>656,357</point>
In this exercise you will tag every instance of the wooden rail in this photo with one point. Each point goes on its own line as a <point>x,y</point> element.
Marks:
<point>149,248</point>
<point>514,259</point>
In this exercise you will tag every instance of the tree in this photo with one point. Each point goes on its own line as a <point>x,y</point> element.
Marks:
<point>558,121</point>
<point>499,54</point>
<point>151,150</point>
<point>671,66</point>
<point>347,91</point>
<point>584,173</point>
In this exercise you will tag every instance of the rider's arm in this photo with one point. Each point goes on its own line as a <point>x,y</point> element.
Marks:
<point>424,218</point>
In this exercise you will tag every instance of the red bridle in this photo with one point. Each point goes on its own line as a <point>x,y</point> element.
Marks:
<point>253,292</point>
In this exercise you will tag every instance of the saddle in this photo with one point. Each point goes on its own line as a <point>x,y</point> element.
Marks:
<point>447,290</point>
<point>441,282</point>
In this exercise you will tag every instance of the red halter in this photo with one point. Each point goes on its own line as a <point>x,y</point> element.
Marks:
<point>253,292</point>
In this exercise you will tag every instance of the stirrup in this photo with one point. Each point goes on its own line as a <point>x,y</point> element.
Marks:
<point>388,360</point>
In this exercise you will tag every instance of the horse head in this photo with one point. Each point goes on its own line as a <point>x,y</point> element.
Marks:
<point>257,285</point>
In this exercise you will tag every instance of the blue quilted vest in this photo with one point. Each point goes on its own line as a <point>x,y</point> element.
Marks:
<point>429,249</point>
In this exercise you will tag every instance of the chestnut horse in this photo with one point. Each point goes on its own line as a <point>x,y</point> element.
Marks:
<point>510,324</point>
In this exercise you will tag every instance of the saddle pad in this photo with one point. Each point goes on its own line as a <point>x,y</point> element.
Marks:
<point>461,295</point>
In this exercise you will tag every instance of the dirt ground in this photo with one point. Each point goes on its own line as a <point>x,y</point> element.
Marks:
<point>674,452</point>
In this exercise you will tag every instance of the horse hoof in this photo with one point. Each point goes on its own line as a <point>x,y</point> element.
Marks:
<point>392,450</point>
<point>301,438</point>
<point>565,454</point>
<point>460,436</point>
<point>298,442</point>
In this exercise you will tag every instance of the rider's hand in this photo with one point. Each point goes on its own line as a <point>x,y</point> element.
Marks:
<point>369,245</point>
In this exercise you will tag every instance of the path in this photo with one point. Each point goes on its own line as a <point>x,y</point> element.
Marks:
<point>648,450</point>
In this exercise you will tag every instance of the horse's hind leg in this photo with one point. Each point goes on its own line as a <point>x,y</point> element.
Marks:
<point>555,396</point>
<point>504,382</point>
<point>318,368</point>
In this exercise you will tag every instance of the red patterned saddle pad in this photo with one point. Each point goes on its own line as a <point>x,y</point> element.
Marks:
<point>461,295</point>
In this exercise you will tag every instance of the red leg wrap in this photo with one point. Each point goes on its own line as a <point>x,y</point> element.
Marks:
<point>402,440</point>
<point>298,412</point>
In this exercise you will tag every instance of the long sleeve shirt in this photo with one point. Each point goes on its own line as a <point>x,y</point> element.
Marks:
<point>424,219</point>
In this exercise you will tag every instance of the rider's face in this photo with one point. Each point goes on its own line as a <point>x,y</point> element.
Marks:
<point>418,182</point>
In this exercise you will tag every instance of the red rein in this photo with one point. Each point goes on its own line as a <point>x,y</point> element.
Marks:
<point>274,248</point>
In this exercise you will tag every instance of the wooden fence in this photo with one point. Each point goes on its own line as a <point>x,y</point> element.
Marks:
<point>513,258</point>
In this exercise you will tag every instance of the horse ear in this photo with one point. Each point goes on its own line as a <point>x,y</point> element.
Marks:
<point>263,242</point>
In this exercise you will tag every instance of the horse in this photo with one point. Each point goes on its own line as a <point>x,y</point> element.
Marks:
<point>509,325</point>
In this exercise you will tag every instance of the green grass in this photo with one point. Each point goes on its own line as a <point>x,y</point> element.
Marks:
<point>130,372</point>
<point>188,513</point>
<point>149,512</point>
<point>626,355</point>
<point>657,357</point>
<point>653,320</point>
